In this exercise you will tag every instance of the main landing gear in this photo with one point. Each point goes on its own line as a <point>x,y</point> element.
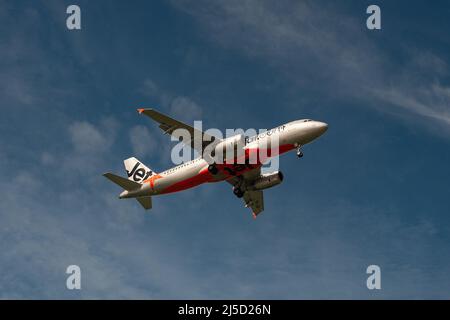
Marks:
<point>299,152</point>
<point>238,186</point>
<point>213,169</point>
<point>238,192</point>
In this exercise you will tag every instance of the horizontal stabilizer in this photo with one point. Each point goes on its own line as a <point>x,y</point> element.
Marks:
<point>146,202</point>
<point>123,182</point>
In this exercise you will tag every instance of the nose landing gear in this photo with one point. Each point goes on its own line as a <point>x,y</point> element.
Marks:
<point>299,152</point>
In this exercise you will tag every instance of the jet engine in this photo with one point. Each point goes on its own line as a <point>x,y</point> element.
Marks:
<point>268,180</point>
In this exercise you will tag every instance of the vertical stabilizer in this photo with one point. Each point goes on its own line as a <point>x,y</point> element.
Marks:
<point>136,170</point>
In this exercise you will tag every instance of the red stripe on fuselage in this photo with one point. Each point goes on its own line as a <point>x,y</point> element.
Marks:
<point>264,154</point>
<point>200,178</point>
<point>233,170</point>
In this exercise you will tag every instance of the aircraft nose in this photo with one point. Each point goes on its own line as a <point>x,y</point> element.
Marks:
<point>322,127</point>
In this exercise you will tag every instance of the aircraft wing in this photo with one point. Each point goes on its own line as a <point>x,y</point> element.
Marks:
<point>253,199</point>
<point>169,125</point>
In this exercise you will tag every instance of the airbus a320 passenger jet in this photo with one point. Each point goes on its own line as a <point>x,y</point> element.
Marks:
<point>245,176</point>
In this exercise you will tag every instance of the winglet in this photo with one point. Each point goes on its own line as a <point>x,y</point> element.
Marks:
<point>254,215</point>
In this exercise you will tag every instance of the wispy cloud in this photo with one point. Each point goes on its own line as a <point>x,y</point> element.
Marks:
<point>86,138</point>
<point>178,106</point>
<point>142,142</point>
<point>57,209</point>
<point>45,214</point>
<point>430,101</point>
<point>317,46</point>
<point>186,109</point>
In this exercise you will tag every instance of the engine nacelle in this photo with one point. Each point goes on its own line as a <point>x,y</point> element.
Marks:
<point>230,148</point>
<point>268,180</point>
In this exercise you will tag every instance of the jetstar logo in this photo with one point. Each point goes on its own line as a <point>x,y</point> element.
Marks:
<point>139,174</point>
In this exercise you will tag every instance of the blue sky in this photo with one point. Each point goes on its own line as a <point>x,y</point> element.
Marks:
<point>373,190</point>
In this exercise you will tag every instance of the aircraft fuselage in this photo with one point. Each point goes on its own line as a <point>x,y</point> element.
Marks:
<point>195,172</point>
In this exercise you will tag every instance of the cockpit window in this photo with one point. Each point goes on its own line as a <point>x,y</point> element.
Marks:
<point>307,120</point>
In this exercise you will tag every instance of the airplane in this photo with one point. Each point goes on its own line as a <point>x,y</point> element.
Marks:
<point>245,177</point>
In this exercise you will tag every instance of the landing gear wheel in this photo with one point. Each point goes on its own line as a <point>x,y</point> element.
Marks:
<point>299,153</point>
<point>213,169</point>
<point>238,192</point>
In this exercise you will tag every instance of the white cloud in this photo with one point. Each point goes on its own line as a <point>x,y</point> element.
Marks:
<point>52,218</point>
<point>27,181</point>
<point>185,109</point>
<point>90,145</point>
<point>151,89</point>
<point>431,101</point>
<point>90,139</point>
<point>86,138</point>
<point>179,107</point>
<point>44,230</point>
<point>47,158</point>
<point>142,142</point>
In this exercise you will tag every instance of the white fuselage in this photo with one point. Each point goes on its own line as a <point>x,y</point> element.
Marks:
<point>193,173</point>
